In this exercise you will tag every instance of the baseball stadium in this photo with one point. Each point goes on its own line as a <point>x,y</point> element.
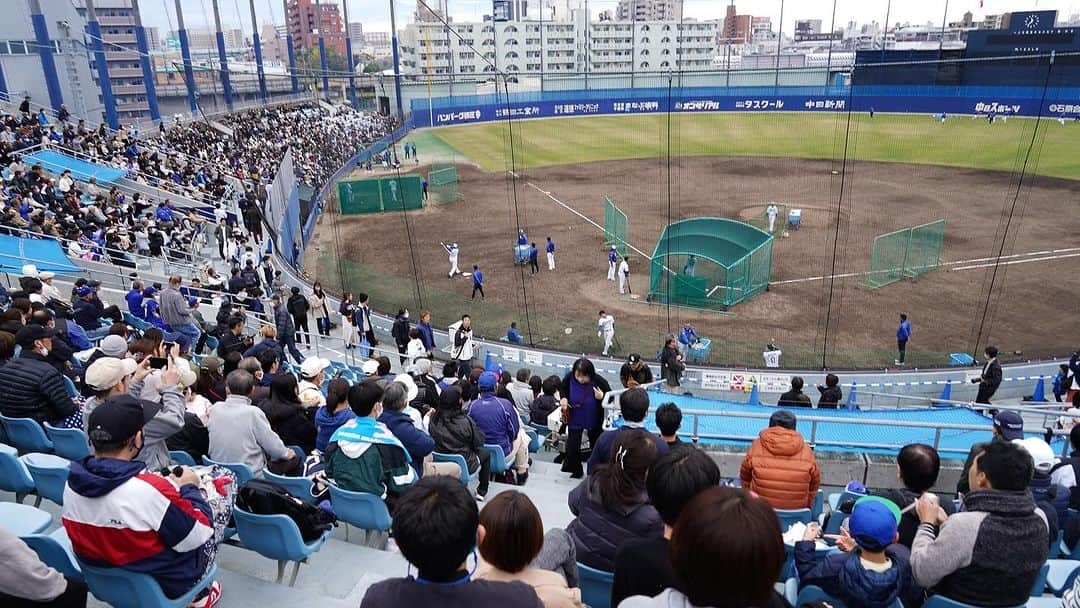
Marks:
<point>951,205</point>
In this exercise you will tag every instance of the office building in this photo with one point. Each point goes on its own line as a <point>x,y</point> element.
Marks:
<point>304,26</point>
<point>736,27</point>
<point>205,39</point>
<point>431,10</point>
<point>356,33</point>
<point>807,29</point>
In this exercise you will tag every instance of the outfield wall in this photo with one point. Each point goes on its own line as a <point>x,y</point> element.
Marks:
<point>1001,101</point>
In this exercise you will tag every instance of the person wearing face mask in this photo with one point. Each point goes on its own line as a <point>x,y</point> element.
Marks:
<point>118,514</point>
<point>31,386</point>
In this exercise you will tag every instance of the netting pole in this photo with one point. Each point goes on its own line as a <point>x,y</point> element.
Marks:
<point>836,229</point>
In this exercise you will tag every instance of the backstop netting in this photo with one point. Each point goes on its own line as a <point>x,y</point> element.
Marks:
<point>908,252</point>
<point>443,185</point>
<point>615,226</point>
<point>710,263</point>
<point>391,193</point>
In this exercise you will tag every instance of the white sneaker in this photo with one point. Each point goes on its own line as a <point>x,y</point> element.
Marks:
<point>213,594</point>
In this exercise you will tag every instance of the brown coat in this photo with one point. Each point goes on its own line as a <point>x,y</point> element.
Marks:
<point>781,469</point>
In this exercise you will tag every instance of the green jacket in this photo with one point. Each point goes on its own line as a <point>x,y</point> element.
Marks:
<point>374,466</point>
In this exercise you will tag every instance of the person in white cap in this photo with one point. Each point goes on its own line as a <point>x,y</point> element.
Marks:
<point>312,374</point>
<point>111,377</point>
<point>47,288</point>
<point>605,328</point>
<point>110,346</point>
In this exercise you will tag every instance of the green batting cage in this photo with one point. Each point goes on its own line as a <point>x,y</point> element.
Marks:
<point>908,252</point>
<point>615,225</point>
<point>443,185</point>
<point>711,263</point>
<point>390,193</point>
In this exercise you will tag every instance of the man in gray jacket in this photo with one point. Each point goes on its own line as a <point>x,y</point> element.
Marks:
<point>989,554</point>
<point>176,311</point>
<point>240,432</point>
<point>109,377</point>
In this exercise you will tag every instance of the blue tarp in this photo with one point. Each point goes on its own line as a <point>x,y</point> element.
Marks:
<point>46,254</point>
<point>81,170</point>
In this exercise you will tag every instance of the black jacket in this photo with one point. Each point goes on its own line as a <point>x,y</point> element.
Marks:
<point>297,305</point>
<point>541,408</point>
<point>32,388</point>
<point>830,396</point>
<point>400,330</point>
<point>229,343</point>
<point>408,593</point>
<point>642,376</point>
<point>794,398</point>
<point>455,432</point>
<point>290,423</point>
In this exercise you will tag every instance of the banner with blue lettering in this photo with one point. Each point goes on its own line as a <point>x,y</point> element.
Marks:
<point>687,102</point>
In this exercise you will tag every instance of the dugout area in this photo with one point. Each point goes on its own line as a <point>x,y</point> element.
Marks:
<point>710,263</point>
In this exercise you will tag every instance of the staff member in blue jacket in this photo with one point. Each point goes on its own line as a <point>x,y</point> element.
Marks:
<point>550,248</point>
<point>477,282</point>
<point>903,334</point>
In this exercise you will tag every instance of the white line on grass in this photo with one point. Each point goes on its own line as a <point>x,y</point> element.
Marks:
<point>1045,259</point>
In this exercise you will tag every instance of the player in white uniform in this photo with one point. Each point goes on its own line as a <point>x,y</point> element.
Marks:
<point>624,275</point>
<point>772,356</point>
<point>605,328</point>
<point>453,252</point>
<point>772,211</point>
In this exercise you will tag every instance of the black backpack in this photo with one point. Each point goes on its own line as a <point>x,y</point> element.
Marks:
<point>267,498</point>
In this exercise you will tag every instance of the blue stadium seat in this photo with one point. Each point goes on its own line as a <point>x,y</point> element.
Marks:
<point>276,537</point>
<point>26,434</point>
<point>181,457</point>
<point>242,471</point>
<point>299,487</point>
<point>55,550</point>
<point>68,443</point>
<point>211,343</point>
<point>50,473</point>
<point>534,440</point>
<point>124,589</point>
<point>542,433</point>
<point>500,463</point>
<point>361,509</point>
<point>14,477</point>
<point>459,460</point>
<point>1062,575</point>
<point>595,586</point>
<point>792,516</point>
<point>813,594</point>
<point>818,507</point>
<point>940,601</point>
<point>1039,585</point>
<point>69,384</point>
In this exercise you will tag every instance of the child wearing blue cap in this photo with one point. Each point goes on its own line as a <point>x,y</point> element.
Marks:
<point>869,570</point>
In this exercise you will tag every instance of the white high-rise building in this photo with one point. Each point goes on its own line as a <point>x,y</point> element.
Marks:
<point>424,13</point>
<point>527,47</point>
<point>649,10</point>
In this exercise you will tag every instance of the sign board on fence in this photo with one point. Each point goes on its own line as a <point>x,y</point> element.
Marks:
<point>715,381</point>
<point>511,354</point>
<point>533,358</point>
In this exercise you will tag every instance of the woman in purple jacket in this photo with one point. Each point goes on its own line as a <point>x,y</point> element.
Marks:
<point>582,394</point>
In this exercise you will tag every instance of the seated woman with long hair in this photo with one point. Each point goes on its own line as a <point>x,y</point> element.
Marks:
<point>287,415</point>
<point>511,538</point>
<point>611,505</point>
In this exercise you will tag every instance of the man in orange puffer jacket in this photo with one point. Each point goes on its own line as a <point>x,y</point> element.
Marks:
<point>780,466</point>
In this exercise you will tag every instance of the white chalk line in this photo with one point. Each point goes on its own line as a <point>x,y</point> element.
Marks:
<point>971,264</point>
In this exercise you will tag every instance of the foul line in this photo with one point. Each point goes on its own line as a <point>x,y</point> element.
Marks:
<point>1045,259</point>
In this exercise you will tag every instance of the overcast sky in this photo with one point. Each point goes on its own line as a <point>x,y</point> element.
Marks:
<point>375,14</point>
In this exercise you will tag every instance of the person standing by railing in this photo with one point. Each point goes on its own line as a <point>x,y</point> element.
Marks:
<point>176,312</point>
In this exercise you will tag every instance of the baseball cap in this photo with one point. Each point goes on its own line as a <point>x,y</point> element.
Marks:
<point>119,418</point>
<point>85,290</point>
<point>107,372</point>
<point>1041,453</point>
<point>114,346</point>
<point>634,358</point>
<point>783,418</point>
<point>211,363</point>
<point>29,270</point>
<point>873,522</point>
<point>26,336</point>
<point>370,367</point>
<point>1011,425</point>
<point>487,381</point>
<point>46,275</point>
<point>149,291</point>
<point>312,366</point>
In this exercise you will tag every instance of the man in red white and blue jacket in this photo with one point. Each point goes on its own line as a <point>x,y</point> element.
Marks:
<point>118,514</point>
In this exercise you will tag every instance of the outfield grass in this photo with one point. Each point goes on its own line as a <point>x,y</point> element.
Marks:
<point>960,141</point>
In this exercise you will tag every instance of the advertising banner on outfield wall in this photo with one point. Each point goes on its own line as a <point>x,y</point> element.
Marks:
<point>687,102</point>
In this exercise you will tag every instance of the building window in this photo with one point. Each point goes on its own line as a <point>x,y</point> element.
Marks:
<point>644,65</point>
<point>510,30</point>
<point>511,55</point>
